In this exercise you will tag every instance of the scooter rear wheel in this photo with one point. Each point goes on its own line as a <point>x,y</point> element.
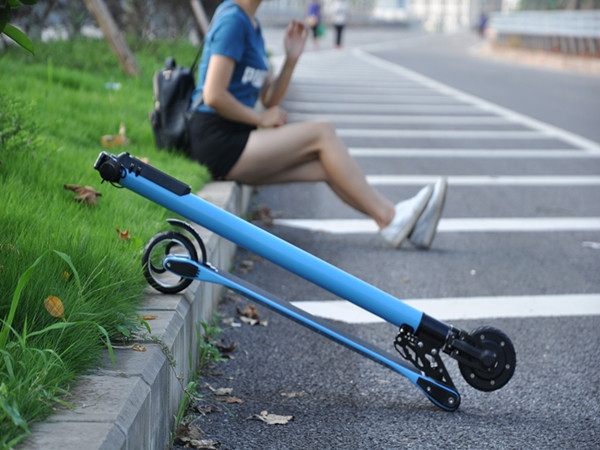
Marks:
<point>501,371</point>
<point>162,245</point>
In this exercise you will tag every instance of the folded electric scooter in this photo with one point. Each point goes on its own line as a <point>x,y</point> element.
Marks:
<point>486,357</point>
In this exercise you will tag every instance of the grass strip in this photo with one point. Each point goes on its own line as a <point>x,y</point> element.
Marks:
<point>69,282</point>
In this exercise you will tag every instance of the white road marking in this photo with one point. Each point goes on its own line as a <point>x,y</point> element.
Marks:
<point>410,87</point>
<point>404,108</point>
<point>445,134</point>
<point>586,144</point>
<point>468,153</point>
<point>469,225</point>
<point>463,308</point>
<point>486,180</point>
<point>386,119</point>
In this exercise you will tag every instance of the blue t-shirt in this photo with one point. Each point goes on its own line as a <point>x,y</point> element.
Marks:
<point>233,35</point>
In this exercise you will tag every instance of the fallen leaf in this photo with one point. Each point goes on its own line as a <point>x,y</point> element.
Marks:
<point>114,140</point>
<point>248,321</point>
<point>138,348</point>
<point>292,394</point>
<point>250,311</point>
<point>230,321</point>
<point>206,409</point>
<point>230,399</point>
<point>204,444</point>
<point>148,317</point>
<point>252,322</point>
<point>84,193</point>
<point>272,419</point>
<point>232,296</point>
<point>124,235</point>
<point>55,307</point>
<point>246,266</point>
<point>190,431</point>
<point>220,391</point>
<point>263,213</point>
<point>226,348</point>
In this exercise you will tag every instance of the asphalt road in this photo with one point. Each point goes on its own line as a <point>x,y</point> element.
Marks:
<point>519,235</point>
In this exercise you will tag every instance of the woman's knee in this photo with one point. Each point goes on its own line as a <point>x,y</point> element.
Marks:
<point>327,134</point>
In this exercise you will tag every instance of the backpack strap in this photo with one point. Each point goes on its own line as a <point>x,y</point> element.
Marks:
<point>194,66</point>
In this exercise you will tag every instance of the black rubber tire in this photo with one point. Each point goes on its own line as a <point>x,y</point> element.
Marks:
<point>501,372</point>
<point>165,242</point>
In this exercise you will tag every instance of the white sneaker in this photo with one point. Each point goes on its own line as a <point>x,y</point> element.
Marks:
<point>407,214</point>
<point>424,231</point>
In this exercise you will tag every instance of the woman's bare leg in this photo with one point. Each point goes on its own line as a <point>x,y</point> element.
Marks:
<point>310,152</point>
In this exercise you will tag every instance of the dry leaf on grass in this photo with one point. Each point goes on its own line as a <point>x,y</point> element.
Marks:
<point>55,307</point>
<point>115,140</point>
<point>272,419</point>
<point>85,194</point>
<point>124,235</point>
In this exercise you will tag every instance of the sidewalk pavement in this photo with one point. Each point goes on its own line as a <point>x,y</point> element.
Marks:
<point>131,405</point>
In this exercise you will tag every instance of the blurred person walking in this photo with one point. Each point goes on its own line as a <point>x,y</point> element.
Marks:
<point>340,11</point>
<point>313,20</point>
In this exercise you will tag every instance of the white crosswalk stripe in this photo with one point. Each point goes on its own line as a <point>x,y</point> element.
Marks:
<point>396,103</point>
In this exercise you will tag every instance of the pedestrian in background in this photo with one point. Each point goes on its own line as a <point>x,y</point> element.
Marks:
<point>339,11</point>
<point>239,142</point>
<point>313,20</point>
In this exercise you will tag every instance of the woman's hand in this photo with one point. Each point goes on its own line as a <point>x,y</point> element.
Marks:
<point>295,39</point>
<point>273,117</point>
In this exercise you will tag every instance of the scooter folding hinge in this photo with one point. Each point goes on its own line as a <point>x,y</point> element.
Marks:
<point>424,354</point>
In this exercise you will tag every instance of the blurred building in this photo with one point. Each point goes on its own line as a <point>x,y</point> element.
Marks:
<point>434,15</point>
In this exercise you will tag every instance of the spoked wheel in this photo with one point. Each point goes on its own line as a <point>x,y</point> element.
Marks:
<point>167,243</point>
<point>501,351</point>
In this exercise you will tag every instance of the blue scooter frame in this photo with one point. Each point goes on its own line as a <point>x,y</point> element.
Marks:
<point>486,356</point>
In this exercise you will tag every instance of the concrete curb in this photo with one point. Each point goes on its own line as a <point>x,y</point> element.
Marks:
<point>132,405</point>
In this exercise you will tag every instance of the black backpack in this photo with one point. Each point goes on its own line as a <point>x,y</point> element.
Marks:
<point>173,88</point>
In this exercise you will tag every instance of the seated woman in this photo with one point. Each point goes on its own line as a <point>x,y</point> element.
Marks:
<point>239,142</point>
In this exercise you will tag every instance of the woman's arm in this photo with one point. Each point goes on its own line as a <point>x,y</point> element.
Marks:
<point>216,96</point>
<point>294,40</point>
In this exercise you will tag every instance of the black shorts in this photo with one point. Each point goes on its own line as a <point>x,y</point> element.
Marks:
<point>217,142</point>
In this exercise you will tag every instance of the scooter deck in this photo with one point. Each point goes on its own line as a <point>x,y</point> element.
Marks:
<point>441,395</point>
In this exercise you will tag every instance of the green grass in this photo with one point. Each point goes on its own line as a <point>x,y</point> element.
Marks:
<point>54,108</point>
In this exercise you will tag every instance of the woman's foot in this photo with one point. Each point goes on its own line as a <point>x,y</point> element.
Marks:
<point>407,214</point>
<point>424,231</point>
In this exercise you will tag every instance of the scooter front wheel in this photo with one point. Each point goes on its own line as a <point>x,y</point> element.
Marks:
<point>502,358</point>
<point>162,245</point>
